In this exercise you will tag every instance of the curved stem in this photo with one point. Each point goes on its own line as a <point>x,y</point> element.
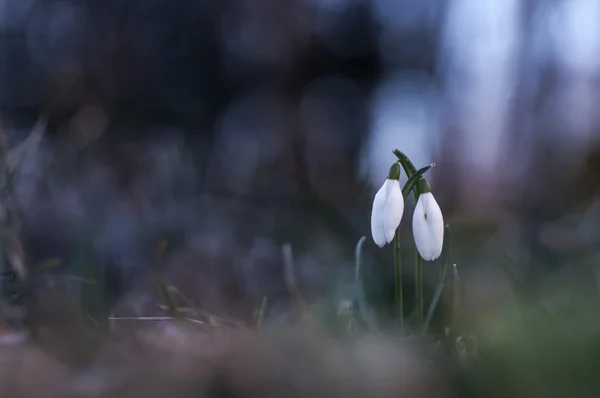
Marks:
<point>363,308</point>
<point>408,166</point>
<point>398,280</point>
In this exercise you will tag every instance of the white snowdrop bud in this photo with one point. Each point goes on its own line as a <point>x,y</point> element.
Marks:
<point>388,207</point>
<point>428,224</point>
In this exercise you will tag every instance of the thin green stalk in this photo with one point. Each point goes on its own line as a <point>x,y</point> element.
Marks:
<point>456,296</point>
<point>398,272</point>
<point>419,291</point>
<point>414,176</point>
<point>443,276</point>
<point>419,273</point>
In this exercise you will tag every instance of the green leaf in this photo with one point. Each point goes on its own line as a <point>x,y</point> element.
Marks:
<point>413,179</point>
<point>408,166</point>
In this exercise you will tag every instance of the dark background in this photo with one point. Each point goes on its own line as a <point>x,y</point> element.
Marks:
<point>231,127</point>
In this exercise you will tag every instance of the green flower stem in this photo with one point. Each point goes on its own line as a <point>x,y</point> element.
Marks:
<point>414,176</point>
<point>419,274</point>
<point>455,296</point>
<point>442,283</point>
<point>419,292</point>
<point>398,272</point>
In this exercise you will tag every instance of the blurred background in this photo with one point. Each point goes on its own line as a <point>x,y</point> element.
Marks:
<point>228,128</point>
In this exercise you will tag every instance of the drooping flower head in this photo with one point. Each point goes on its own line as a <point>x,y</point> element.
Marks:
<point>388,207</point>
<point>428,224</point>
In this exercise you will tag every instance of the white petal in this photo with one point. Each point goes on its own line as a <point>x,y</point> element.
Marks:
<point>428,227</point>
<point>393,209</point>
<point>377,228</point>
<point>436,221</point>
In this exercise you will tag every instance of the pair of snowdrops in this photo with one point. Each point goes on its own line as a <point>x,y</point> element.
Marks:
<point>427,223</point>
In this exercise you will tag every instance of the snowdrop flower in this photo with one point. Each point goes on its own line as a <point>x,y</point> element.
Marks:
<point>388,207</point>
<point>428,224</point>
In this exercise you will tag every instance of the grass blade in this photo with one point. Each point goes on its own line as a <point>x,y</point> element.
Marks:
<point>162,288</point>
<point>363,308</point>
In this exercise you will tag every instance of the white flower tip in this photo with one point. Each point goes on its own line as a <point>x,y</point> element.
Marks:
<point>431,257</point>
<point>379,238</point>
